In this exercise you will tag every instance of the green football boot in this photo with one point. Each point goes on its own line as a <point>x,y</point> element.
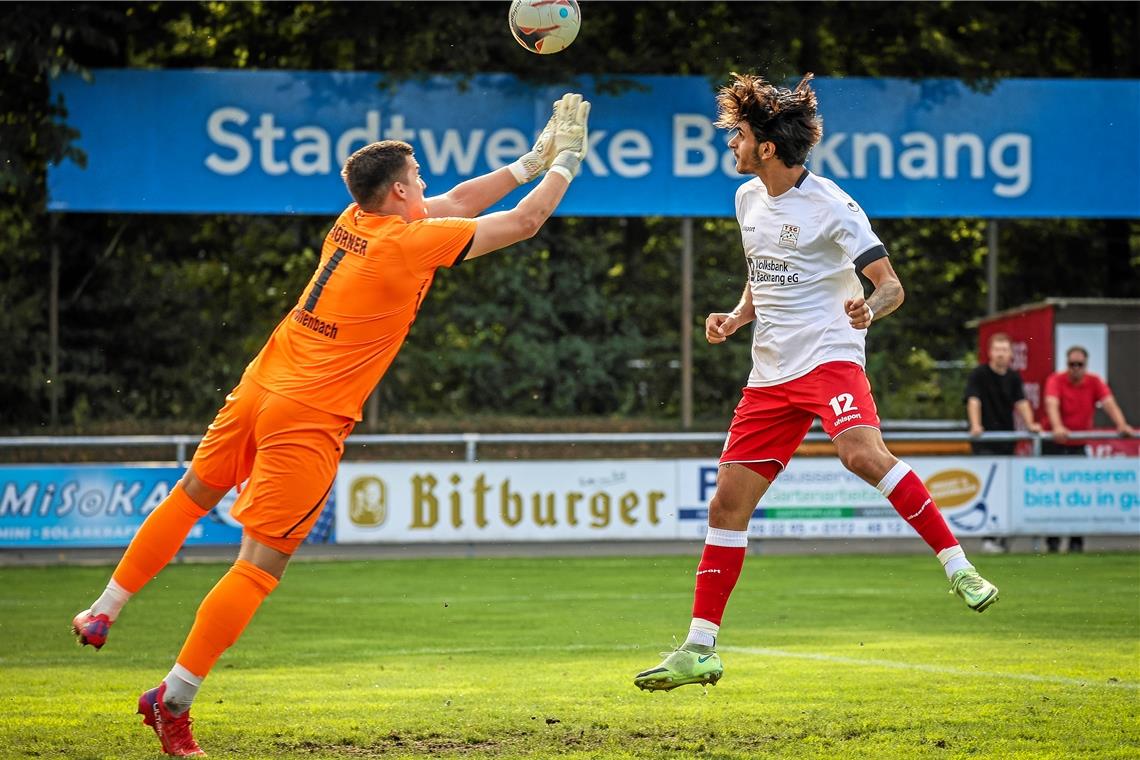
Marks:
<point>689,663</point>
<point>976,591</point>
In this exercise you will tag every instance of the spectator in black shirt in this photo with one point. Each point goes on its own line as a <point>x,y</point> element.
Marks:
<point>993,392</point>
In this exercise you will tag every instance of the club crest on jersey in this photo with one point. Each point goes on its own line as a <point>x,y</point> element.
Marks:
<point>789,236</point>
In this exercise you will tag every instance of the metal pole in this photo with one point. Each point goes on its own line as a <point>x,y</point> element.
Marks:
<point>472,441</point>
<point>992,268</point>
<point>372,410</point>
<point>686,323</point>
<point>53,326</point>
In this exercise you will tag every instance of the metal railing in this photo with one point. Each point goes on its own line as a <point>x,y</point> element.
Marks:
<point>932,431</point>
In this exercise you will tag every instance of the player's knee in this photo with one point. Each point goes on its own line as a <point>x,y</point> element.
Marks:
<point>264,557</point>
<point>725,509</point>
<point>857,460</point>
<point>205,496</point>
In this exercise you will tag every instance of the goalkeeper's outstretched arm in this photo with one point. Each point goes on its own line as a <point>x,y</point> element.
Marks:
<point>472,197</point>
<point>570,141</point>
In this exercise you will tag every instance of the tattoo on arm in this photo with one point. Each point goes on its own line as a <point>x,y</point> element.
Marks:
<point>886,298</point>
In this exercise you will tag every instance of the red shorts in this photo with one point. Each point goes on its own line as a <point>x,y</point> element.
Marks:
<point>770,423</point>
<point>288,452</point>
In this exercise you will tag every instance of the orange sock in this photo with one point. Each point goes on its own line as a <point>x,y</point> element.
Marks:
<point>158,540</point>
<point>224,614</point>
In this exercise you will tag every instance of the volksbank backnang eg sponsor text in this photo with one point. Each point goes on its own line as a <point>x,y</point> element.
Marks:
<point>274,142</point>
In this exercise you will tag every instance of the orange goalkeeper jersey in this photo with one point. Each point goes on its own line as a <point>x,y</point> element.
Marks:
<point>335,345</point>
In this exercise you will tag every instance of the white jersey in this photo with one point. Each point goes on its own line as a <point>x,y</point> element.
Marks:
<point>802,248</point>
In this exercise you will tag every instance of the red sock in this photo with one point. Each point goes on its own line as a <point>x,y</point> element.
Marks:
<point>914,503</point>
<point>716,577</point>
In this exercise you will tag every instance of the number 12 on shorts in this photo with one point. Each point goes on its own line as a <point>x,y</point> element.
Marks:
<point>842,404</point>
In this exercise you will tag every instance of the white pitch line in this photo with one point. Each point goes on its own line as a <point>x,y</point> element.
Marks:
<point>439,599</point>
<point>782,653</point>
<point>925,668</point>
<point>755,651</point>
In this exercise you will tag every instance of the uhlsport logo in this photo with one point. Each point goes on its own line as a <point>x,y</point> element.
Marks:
<point>367,502</point>
<point>789,236</point>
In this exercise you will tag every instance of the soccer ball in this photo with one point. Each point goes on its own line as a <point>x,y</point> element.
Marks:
<point>545,26</point>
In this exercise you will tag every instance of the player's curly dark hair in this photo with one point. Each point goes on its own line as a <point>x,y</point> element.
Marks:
<point>369,172</point>
<point>784,117</point>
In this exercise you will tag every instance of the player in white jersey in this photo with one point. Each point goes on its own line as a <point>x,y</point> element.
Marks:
<point>804,241</point>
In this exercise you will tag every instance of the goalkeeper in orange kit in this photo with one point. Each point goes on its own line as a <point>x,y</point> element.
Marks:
<point>283,427</point>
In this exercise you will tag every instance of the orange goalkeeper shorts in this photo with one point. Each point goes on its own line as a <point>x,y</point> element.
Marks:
<point>288,452</point>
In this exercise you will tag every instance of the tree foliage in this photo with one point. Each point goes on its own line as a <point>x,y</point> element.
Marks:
<point>159,314</point>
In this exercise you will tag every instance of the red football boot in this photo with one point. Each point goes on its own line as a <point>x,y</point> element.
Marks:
<point>91,629</point>
<point>172,730</point>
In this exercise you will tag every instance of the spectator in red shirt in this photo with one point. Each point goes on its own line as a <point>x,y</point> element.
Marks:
<point>1071,399</point>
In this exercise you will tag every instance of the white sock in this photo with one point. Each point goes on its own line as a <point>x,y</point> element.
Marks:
<point>953,560</point>
<point>112,600</point>
<point>181,688</point>
<point>724,537</point>
<point>702,632</point>
<point>893,477</point>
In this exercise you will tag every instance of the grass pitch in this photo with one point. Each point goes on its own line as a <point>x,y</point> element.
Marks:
<point>850,657</point>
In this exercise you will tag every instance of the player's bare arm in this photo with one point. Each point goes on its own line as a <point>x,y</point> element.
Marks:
<point>504,228</point>
<point>887,296</point>
<point>569,143</point>
<point>720,325</point>
<point>470,198</point>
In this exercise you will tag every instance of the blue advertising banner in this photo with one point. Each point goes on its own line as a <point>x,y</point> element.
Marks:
<point>273,142</point>
<point>93,506</point>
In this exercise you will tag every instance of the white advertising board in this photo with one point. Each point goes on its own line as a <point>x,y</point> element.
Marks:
<point>506,501</point>
<point>818,498</point>
<point>666,499</point>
